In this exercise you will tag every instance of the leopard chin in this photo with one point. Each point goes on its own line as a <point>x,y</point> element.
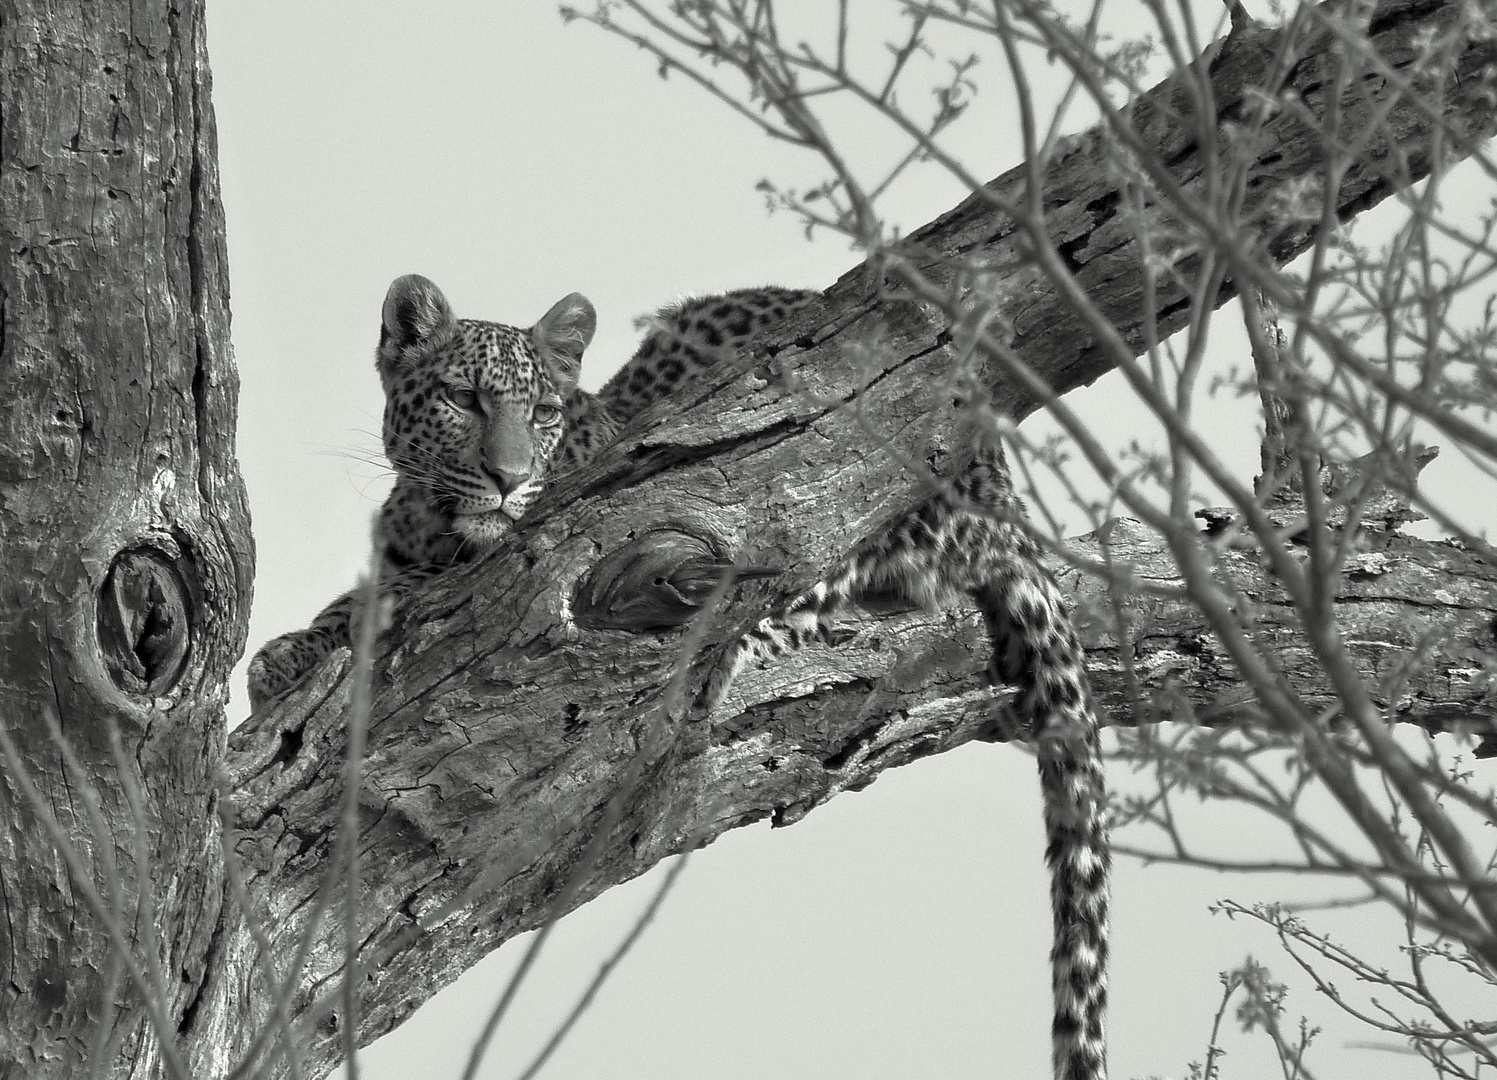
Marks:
<point>483,530</point>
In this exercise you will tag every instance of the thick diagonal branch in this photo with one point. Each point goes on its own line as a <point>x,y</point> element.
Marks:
<point>501,725</point>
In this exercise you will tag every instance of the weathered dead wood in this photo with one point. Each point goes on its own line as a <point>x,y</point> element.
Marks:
<point>501,725</point>
<point>125,557</point>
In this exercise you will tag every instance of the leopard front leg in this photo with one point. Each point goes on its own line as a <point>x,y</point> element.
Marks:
<point>281,662</point>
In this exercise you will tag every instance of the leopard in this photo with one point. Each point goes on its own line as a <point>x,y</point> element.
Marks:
<point>479,416</point>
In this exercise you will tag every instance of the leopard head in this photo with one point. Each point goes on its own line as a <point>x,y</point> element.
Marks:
<point>475,411</point>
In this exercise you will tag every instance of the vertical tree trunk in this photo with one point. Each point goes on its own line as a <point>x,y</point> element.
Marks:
<point>125,553</point>
<point>125,569</point>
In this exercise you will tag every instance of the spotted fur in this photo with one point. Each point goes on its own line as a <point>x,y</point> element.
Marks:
<point>479,414</point>
<point>971,540</point>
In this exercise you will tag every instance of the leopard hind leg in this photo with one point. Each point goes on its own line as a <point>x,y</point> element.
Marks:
<point>949,547</point>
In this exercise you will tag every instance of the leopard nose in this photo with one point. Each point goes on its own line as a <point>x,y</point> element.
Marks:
<point>507,480</point>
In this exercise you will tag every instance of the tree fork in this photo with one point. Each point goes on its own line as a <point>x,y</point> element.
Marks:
<point>511,697</point>
<point>501,724</point>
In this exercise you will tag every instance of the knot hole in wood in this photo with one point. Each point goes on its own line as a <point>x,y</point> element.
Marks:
<point>144,621</point>
<point>654,582</point>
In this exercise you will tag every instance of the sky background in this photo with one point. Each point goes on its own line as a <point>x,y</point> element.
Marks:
<point>899,931</point>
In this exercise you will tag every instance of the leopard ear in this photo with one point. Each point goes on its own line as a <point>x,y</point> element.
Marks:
<point>414,311</point>
<point>562,335</point>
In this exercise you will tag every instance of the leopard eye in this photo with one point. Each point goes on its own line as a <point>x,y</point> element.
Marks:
<point>463,398</point>
<point>545,414</point>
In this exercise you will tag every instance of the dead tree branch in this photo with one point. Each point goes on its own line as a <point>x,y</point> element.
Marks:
<point>502,721</point>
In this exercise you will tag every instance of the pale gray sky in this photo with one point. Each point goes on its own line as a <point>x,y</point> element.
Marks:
<point>897,932</point>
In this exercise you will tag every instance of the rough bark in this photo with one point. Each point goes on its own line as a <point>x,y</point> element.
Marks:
<point>126,559</point>
<point>511,701</point>
<point>501,724</point>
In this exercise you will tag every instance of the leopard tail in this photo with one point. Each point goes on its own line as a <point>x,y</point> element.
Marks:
<point>1037,650</point>
<point>926,558</point>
